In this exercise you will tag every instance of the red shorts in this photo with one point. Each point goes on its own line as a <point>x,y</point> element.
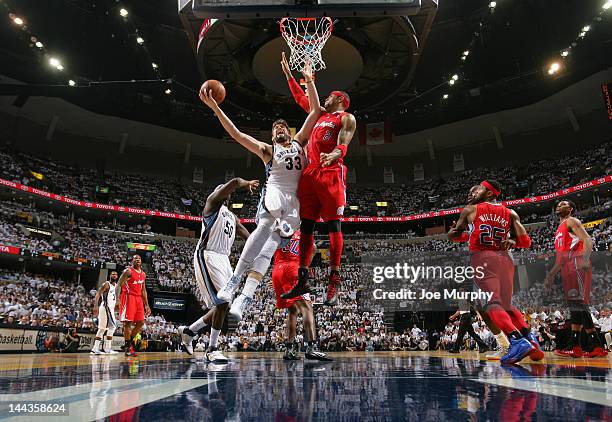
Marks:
<point>132,308</point>
<point>284,277</point>
<point>322,192</point>
<point>576,282</point>
<point>494,273</point>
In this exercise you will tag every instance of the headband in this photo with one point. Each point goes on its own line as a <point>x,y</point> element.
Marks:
<point>344,99</point>
<point>490,187</point>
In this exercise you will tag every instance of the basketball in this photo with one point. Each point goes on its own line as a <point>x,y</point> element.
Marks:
<point>217,88</point>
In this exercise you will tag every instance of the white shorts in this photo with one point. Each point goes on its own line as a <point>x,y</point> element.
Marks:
<point>212,271</point>
<point>285,208</point>
<point>106,318</point>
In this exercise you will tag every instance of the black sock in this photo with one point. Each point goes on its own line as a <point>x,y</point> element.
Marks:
<point>515,335</point>
<point>525,332</point>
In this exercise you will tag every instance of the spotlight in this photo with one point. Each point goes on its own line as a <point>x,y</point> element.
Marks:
<point>154,65</point>
<point>451,82</point>
<point>607,5</point>
<point>18,20</point>
<point>554,68</point>
<point>140,40</point>
<point>71,82</point>
<point>54,62</point>
<point>455,77</point>
<point>466,53</point>
<point>123,12</point>
<point>39,44</point>
<point>445,97</point>
<point>565,53</point>
<point>60,67</point>
<point>493,4</point>
<point>586,28</point>
<point>168,91</point>
<point>582,34</point>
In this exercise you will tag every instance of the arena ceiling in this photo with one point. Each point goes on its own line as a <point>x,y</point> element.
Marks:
<point>400,65</point>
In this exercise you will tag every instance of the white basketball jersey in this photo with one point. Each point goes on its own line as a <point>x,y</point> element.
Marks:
<point>110,298</point>
<point>218,232</point>
<point>285,168</point>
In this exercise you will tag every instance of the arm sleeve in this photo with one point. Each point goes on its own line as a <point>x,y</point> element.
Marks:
<point>298,95</point>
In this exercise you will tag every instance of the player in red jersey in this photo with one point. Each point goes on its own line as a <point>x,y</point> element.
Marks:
<point>574,246</point>
<point>284,274</point>
<point>493,229</point>
<point>134,302</point>
<point>322,189</point>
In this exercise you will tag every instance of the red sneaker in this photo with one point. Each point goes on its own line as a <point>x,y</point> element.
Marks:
<point>596,353</point>
<point>332,289</point>
<point>577,352</point>
<point>564,353</point>
<point>131,352</point>
<point>537,353</point>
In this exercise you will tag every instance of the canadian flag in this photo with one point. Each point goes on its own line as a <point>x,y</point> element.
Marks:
<point>375,133</point>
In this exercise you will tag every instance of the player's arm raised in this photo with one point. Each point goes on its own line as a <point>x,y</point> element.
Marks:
<point>296,89</point>
<point>345,136</point>
<point>241,230</point>
<point>315,111</point>
<point>578,229</point>
<point>99,293</point>
<point>457,231</point>
<point>261,149</point>
<point>519,237</point>
<point>216,199</point>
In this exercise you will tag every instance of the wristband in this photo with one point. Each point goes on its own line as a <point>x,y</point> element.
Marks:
<point>523,241</point>
<point>342,149</point>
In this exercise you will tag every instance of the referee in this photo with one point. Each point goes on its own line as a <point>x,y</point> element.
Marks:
<point>464,313</point>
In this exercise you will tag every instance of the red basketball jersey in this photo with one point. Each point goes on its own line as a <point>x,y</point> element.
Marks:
<point>566,242</point>
<point>133,285</point>
<point>324,137</point>
<point>490,227</point>
<point>290,253</point>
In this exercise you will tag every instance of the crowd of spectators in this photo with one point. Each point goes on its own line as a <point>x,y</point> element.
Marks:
<point>150,192</point>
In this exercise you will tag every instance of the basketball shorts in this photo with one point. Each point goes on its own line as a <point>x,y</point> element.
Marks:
<point>322,192</point>
<point>284,277</point>
<point>212,272</point>
<point>494,273</point>
<point>132,308</point>
<point>106,318</point>
<point>284,207</point>
<point>576,282</point>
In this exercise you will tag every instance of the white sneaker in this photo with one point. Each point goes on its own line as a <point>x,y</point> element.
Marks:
<point>111,352</point>
<point>96,352</point>
<point>241,303</point>
<point>214,355</point>
<point>186,340</point>
<point>496,355</point>
<point>226,294</point>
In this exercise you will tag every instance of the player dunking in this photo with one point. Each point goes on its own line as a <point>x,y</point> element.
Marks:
<point>212,265</point>
<point>104,308</point>
<point>278,211</point>
<point>574,246</point>
<point>134,302</point>
<point>322,190</point>
<point>493,229</point>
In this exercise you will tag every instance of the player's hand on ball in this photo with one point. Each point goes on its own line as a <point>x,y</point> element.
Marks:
<point>208,99</point>
<point>252,186</point>
<point>285,66</point>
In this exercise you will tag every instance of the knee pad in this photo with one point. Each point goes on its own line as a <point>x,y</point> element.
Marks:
<point>100,332</point>
<point>307,226</point>
<point>333,226</point>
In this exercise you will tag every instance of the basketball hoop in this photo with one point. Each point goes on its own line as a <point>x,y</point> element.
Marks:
<point>306,38</point>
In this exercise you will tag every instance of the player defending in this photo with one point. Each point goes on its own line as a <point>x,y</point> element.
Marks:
<point>493,229</point>
<point>574,246</point>
<point>104,307</point>
<point>278,211</point>
<point>211,263</point>
<point>134,302</point>
<point>322,190</point>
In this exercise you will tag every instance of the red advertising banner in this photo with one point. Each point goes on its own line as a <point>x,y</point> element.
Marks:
<point>10,250</point>
<point>396,219</point>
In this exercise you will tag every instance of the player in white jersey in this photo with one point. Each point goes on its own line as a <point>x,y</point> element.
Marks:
<point>104,307</point>
<point>212,265</point>
<point>278,213</point>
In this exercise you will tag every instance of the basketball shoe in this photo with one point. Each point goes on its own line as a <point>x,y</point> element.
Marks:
<point>238,307</point>
<point>332,288</point>
<point>215,356</point>
<point>519,348</point>
<point>537,354</point>
<point>301,287</point>
<point>186,338</point>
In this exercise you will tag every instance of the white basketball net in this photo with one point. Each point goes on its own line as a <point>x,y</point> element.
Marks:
<point>306,38</point>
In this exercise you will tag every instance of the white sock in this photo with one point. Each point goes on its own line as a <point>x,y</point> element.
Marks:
<point>250,286</point>
<point>108,345</point>
<point>96,345</point>
<point>198,325</point>
<point>502,340</point>
<point>214,336</point>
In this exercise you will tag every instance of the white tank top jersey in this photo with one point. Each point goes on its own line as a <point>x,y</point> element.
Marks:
<point>285,168</point>
<point>109,299</point>
<point>218,232</point>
